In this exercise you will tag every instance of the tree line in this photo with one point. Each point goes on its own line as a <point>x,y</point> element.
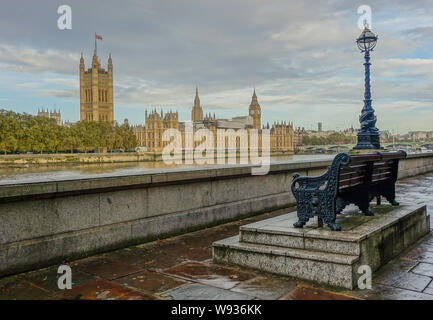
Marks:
<point>21,133</point>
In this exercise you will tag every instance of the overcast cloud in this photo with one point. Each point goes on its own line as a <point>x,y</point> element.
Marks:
<point>299,55</point>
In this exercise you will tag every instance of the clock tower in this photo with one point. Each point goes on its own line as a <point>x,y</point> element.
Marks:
<point>255,111</point>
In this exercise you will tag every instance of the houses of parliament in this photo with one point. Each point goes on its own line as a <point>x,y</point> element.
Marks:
<point>96,91</point>
<point>97,104</point>
<point>150,134</point>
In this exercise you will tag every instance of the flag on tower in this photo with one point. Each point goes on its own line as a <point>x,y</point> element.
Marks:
<point>97,37</point>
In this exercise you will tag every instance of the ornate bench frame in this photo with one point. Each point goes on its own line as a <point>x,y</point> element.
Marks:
<point>322,196</point>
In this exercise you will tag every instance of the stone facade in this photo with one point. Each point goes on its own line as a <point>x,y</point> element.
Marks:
<point>51,114</point>
<point>96,91</point>
<point>297,137</point>
<point>150,134</point>
<point>282,137</point>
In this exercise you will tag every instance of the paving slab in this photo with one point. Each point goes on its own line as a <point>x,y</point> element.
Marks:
<point>406,280</point>
<point>424,269</point>
<point>47,278</point>
<point>384,292</point>
<point>148,256</point>
<point>422,253</point>
<point>106,268</point>
<point>198,291</point>
<point>266,287</point>
<point>14,288</point>
<point>211,274</point>
<point>150,282</point>
<point>303,292</point>
<point>186,251</point>
<point>429,289</point>
<point>103,290</point>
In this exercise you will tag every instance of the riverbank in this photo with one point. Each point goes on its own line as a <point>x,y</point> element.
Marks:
<point>20,160</point>
<point>25,160</point>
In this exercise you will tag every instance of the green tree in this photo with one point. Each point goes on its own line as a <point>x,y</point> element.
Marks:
<point>24,133</point>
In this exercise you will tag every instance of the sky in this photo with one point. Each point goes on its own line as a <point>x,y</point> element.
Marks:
<point>300,56</point>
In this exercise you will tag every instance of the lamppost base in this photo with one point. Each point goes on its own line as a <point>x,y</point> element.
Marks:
<point>368,141</point>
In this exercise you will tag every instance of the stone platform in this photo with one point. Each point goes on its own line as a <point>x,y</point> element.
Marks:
<point>321,255</point>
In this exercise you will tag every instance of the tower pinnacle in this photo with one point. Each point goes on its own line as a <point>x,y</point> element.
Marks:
<point>197,111</point>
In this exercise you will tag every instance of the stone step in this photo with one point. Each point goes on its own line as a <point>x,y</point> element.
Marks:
<point>324,267</point>
<point>279,232</point>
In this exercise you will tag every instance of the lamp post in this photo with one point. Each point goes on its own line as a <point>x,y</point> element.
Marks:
<point>368,135</point>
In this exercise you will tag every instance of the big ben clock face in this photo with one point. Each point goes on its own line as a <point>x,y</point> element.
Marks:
<point>251,112</point>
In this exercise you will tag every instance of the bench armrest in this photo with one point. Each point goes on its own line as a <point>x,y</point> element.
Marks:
<point>308,183</point>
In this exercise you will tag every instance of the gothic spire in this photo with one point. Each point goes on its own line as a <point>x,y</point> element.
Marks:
<point>197,99</point>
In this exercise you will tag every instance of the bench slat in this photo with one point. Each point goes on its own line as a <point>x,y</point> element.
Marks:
<point>352,181</point>
<point>350,186</point>
<point>382,174</point>
<point>365,158</point>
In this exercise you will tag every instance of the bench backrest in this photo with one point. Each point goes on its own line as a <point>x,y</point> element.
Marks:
<point>370,169</point>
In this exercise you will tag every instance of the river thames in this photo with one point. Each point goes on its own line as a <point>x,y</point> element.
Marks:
<point>75,171</point>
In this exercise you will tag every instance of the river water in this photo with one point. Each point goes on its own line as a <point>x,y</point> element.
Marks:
<point>75,171</point>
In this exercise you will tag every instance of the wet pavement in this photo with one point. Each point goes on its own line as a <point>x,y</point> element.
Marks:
<point>181,268</point>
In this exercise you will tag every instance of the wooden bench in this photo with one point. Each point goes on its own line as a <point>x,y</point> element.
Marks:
<point>353,179</point>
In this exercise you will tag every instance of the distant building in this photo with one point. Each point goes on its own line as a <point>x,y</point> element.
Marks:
<point>51,115</point>
<point>96,91</point>
<point>325,134</point>
<point>282,137</point>
<point>319,127</point>
<point>420,135</point>
<point>68,124</point>
<point>150,135</point>
<point>297,137</point>
<point>235,123</point>
<point>385,135</point>
<point>351,132</point>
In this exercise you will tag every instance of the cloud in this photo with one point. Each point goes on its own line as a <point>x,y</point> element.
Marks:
<point>29,60</point>
<point>301,56</point>
<point>59,93</point>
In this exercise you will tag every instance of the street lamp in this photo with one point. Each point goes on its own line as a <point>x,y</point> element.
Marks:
<point>368,135</point>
